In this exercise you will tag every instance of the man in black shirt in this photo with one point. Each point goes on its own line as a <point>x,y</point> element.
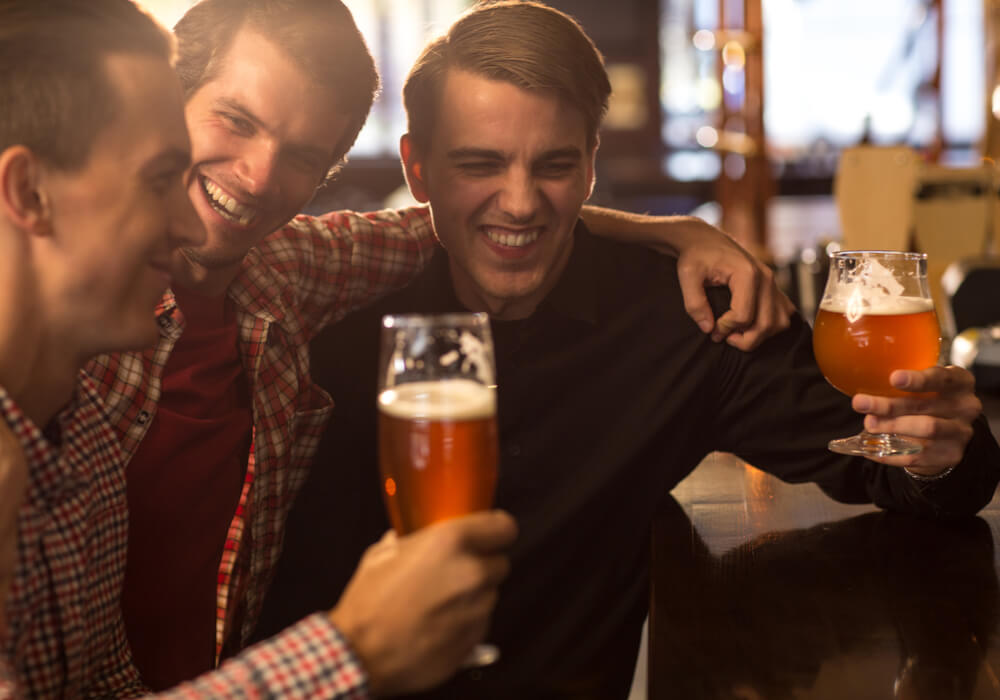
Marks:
<point>608,393</point>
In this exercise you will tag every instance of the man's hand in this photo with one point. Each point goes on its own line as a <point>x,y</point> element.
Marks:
<point>940,418</point>
<point>418,604</point>
<point>706,256</point>
<point>13,482</point>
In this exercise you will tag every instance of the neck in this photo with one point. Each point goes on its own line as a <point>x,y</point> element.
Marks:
<point>29,362</point>
<point>475,298</point>
<point>39,374</point>
<point>188,274</point>
<point>38,362</point>
<point>51,383</point>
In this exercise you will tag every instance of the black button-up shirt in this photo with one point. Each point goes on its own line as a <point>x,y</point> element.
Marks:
<point>608,395</point>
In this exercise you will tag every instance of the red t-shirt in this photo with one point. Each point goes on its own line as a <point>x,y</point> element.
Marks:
<point>184,484</point>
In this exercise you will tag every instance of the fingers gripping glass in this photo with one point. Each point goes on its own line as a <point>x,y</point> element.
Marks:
<point>437,428</point>
<point>876,316</point>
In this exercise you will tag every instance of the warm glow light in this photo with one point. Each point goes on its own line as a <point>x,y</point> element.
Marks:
<point>390,486</point>
<point>709,94</point>
<point>995,102</point>
<point>166,12</point>
<point>706,136</point>
<point>733,55</point>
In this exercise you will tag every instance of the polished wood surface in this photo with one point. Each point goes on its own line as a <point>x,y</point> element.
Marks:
<point>762,589</point>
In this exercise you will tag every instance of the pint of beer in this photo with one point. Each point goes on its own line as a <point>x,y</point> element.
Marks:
<point>437,430</point>
<point>437,450</point>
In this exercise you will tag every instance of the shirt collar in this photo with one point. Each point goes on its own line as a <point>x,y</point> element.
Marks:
<point>49,472</point>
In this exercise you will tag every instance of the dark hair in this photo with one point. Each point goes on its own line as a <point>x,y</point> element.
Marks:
<point>319,35</point>
<point>533,46</point>
<point>54,88</point>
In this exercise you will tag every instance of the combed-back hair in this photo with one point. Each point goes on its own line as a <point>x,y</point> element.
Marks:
<point>528,44</point>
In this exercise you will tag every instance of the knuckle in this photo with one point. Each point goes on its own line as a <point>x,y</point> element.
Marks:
<point>929,427</point>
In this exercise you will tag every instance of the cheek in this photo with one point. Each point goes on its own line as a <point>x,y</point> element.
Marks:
<point>567,198</point>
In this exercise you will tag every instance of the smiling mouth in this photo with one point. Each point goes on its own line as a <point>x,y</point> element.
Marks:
<point>227,207</point>
<point>512,239</point>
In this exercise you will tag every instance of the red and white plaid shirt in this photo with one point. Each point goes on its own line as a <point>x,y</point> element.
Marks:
<point>66,637</point>
<point>301,278</point>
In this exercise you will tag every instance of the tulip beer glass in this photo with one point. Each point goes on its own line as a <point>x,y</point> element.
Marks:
<point>876,316</point>
<point>437,426</point>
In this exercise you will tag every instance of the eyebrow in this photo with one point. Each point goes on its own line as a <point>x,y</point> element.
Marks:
<point>487,154</point>
<point>303,148</point>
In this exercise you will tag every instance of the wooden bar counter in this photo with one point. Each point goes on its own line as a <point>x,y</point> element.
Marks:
<point>762,589</point>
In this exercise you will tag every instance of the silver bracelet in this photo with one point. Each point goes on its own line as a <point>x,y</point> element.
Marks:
<point>925,478</point>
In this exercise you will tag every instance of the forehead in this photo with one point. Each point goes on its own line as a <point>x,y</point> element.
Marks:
<point>475,110</point>
<point>148,113</point>
<point>261,76</point>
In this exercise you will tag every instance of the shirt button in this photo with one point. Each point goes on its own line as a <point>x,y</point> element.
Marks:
<point>142,418</point>
<point>476,675</point>
<point>514,449</point>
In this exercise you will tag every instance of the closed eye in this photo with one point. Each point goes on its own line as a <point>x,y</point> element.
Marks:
<point>238,124</point>
<point>480,167</point>
<point>555,168</point>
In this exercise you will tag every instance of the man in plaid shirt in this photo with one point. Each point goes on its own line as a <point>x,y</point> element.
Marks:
<point>93,149</point>
<point>219,421</point>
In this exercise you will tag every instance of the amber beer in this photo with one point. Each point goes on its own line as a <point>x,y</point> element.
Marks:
<point>437,450</point>
<point>857,356</point>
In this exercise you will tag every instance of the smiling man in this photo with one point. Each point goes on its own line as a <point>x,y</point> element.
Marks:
<point>93,147</point>
<point>608,394</point>
<point>219,421</point>
<point>94,213</point>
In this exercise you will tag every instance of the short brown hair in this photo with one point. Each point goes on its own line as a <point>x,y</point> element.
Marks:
<point>319,35</point>
<point>55,92</point>
<point>528,44</point>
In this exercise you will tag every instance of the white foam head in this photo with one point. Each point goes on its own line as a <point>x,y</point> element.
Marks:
<point>871,288</point>
<point>451,399</point>
<point>877,306</point>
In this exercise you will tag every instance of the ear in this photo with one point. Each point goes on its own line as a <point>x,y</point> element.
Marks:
<point>413,169</point>
<point>22,199</point>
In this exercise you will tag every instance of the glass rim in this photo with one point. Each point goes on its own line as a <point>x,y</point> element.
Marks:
<point>901,254</point>
<point>416,320</point>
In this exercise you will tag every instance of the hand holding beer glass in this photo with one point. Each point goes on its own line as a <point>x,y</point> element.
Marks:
<point>437,430</point>
<point>876,316</point>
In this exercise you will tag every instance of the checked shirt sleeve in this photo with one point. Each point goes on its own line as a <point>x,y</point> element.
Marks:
<point>308,660</point>
<point>340,261</point>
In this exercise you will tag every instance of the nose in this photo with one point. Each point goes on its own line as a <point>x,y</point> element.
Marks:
<point>519,196</point>
<point>257,169</point>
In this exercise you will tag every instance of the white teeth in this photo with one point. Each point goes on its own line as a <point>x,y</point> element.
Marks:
<point>512,240</point>
<point>226,205</point>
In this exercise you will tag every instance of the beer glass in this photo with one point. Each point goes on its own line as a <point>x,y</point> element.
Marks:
<point>876,316</point>
<point>437,428</point>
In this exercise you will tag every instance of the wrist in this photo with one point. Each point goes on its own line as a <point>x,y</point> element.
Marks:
<point>923,478</point>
